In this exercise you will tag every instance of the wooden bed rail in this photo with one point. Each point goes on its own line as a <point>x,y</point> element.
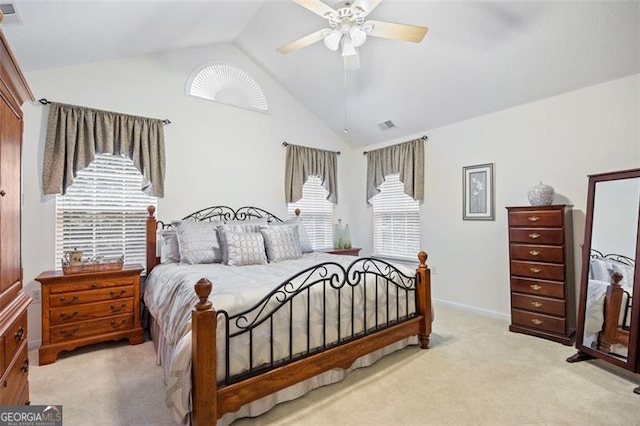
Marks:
<point>210,402</point>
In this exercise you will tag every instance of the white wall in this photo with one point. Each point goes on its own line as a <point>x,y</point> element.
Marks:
<point>216,154</point>
<point>558,141</point>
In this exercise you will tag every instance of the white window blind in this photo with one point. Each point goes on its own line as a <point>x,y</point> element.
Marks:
<point>316,213</point>
<point>396,221</point>
<point>104,212</point>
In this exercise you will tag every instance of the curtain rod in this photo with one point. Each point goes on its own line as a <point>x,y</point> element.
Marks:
<point>424,138</point>
<point>44,101</point>
<point>287,143</point>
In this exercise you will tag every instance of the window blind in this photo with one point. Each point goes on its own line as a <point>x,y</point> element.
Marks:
<point>396,221</point>
<point>104,212</point>
<point>316,213</point>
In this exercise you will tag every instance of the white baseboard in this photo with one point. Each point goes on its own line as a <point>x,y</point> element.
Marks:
<point>34,344</point>
<point>480,311</point>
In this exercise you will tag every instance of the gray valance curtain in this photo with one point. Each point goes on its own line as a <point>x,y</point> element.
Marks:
<point>405,159</point>
<point>303,162</point>
<point>76,134</point>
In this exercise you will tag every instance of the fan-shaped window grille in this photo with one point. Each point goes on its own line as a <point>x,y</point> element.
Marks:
<point>229,85</point>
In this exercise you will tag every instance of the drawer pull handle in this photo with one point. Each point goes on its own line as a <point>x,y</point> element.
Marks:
<point>116,325</point>
<point>534,253</point>
<point>534,235</point>
<point>19,335</point>
<point>64,315</point>
<point>536,287</point>
<point>536,304</point>
<point>116,295</point>
<point>535,270</point>
<point>533,218</point>
<point>67,333</point>
<point>115,308</point>
<point>94,285</point>
<point>537,321</point>
<point>25,366</point>
<point>73,299</point>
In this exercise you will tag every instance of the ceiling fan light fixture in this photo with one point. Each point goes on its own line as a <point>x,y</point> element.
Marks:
<point>348,48</point>
<point>358,36</point>
<point>332,41</point>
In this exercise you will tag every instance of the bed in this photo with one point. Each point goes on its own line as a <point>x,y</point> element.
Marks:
<point>236,340</point>
<point>609,300</point>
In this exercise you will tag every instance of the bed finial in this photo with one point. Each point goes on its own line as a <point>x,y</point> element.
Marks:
<point>203,290</point>
<point>297,212</point>
<point>151,210</point>
<point>616,277</point>
<point>422,257</point>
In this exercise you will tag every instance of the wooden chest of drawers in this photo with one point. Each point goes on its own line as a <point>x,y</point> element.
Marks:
<point>87,308</point>
<point>14,359</point>
<point>541,272</point>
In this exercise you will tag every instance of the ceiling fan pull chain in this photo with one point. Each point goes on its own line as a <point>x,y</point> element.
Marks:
<point>344,62</point>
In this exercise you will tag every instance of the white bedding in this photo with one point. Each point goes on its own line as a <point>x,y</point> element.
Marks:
<point>170,298</point>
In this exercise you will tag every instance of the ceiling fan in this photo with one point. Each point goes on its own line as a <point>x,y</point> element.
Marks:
<point>349,30</point>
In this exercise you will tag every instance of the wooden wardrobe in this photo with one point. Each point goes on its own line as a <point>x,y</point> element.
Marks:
<point>14,361</point>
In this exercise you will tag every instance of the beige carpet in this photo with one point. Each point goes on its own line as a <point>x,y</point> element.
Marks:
<point>476,372</point>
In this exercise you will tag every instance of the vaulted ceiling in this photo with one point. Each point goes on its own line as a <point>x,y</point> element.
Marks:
<point>478,57</point>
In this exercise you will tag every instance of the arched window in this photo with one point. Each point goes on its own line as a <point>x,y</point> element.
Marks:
<point>227,84</point>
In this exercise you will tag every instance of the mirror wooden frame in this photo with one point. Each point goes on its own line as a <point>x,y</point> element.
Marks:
<point>586,352</point>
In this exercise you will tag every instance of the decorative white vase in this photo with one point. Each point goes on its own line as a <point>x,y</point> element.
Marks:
<point>541,195</point>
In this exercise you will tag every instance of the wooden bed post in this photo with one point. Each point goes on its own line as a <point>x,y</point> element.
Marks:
<point>204,410</point>
<point>423,294</point>
<point>151,239</point>
<point>612,306</point>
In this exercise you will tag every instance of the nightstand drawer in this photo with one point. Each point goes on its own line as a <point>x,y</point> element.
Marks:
<point>90,311</point>
<point>91,328</point>
<point>90,284</point>
<point>536,236</point>
<point>537,287</point>
<point>544,305</point>
<point>553,254</point>
<point>545,271</point>
<point>16,334</point>
<point>549,219</point>
<point>538,321</point>
<point>80,297</point>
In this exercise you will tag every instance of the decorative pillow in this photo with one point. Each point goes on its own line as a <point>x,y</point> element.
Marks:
<point>626,271</point>
<point>244,248</point>
<point>305,241</point>
<point>240,227</point>
<point>199,242</point>
<point>281,242</point>
<point>167,245</point>
<point>600,270</point>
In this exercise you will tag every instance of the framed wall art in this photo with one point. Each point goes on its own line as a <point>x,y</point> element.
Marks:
<point>478,197</point>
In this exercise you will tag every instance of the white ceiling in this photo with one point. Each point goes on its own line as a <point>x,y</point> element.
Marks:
<point>477,58</point>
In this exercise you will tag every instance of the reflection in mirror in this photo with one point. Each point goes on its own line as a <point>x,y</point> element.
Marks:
<point>611,268</point>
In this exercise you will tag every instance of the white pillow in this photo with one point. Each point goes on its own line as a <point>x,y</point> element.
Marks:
<point>305,241</point>
<point>239,227</point>
<point>167,246</point>
<point>281,242</point>
<point>243,248</point>
<point>626,271</point>
<point>199,242</point>
<point>599,269</point>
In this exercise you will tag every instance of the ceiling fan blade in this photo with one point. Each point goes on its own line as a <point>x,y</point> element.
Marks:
<point>365,5</point>
<point>317,7</point>
<point>393,31</point>
<point>303,42</point>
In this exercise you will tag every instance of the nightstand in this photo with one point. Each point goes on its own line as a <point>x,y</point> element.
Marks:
<point>87,308</point>
<point>353,251</point>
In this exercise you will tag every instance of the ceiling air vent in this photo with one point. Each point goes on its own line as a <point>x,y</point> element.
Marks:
<point>11,15</point>
<point>386,125</point>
